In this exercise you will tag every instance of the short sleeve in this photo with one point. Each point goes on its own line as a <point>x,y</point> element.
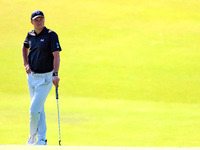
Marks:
<point>55,44</point>
<point>26,43</point>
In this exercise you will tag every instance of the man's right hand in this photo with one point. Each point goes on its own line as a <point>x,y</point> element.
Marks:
<point>27,68</point>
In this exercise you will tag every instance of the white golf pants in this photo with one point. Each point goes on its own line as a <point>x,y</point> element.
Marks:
<point>39,85</point>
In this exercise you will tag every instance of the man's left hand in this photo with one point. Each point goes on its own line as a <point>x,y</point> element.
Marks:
<point>55,80</point>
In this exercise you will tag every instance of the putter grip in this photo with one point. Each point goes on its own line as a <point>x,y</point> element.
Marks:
<point>56,92</point>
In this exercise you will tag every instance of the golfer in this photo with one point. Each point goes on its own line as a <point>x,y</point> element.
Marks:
<point>40,52</point>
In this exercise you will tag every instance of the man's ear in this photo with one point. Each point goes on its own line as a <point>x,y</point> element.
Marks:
<point>31,21</point>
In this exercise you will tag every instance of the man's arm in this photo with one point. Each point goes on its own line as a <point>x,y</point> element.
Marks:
<point>25,59</point>
<point>56,65</point>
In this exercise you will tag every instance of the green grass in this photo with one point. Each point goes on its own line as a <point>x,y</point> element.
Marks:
<point>17,147</point>
<point>129,72</point>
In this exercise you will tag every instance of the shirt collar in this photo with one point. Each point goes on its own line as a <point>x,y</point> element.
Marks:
<point>42,32</point>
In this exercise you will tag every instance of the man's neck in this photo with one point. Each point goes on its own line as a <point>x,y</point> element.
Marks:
<point>38,30</point>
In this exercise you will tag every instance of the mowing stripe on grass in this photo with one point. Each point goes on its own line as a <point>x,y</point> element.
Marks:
<point>21,147</point>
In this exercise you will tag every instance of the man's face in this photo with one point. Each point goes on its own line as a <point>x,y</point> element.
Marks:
<point>38,23</point>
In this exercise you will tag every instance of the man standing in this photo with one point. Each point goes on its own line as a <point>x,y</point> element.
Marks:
<point>40,52</point>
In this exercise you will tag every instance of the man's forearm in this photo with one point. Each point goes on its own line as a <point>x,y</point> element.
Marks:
<point>56,61</point>
<point>25,55</point>
<point>25,59</point>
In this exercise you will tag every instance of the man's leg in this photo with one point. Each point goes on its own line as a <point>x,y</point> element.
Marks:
<point>42,128</point>
<point>32,138</point>
<point>38,120</point>
<point>39,87</point>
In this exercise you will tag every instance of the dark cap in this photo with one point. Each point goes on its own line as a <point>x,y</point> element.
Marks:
<point>36,13</point>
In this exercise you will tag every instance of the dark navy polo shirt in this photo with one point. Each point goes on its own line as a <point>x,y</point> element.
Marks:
<point>41,46</point>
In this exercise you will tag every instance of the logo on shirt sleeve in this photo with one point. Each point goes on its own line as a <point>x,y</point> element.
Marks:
<point>57,44</point>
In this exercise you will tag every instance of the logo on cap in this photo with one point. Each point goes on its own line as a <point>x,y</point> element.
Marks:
<point>36,14</point>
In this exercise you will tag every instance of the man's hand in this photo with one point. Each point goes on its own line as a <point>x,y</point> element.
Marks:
<point>55,80</point>
<point>27,68</point>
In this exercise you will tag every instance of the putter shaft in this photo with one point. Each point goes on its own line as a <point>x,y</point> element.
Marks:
<point>58,116</point>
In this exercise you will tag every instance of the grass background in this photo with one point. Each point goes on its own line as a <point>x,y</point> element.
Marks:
<point>129,72</point>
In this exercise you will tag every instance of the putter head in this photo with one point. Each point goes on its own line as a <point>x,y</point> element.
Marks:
<point>60,142</point>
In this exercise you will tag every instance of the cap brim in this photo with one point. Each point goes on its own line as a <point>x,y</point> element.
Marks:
<point>37,17</point>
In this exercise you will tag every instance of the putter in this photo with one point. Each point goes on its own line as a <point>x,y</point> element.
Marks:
<point>58,116</point>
